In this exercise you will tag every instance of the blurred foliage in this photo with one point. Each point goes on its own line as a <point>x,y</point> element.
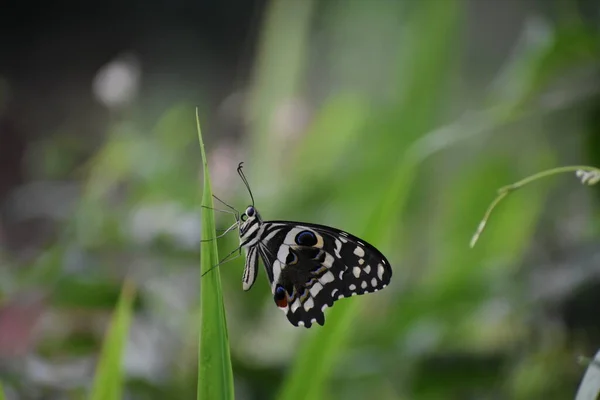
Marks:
<point>362,115</point>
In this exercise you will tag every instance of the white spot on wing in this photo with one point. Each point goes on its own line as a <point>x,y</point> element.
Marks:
<point>368,269</point>
<point>308,304</point>
<point>333,292</point>
<point>361,261</point>
<point>341,296</point>
<point>295,305</point>
<point>343,240</point>
<point>338,247</point>
<point>328,260</point>
<point>324,307</point>
<point>356,272</point>
<point>363,284</point>
<point>326,278</point>
<point>352,287</point>
<point>359,251</point>
<point>315,289</point>
<point>312,321</point>
<point>300,323</point>
<point>380,271</point>
<point>373,282</point>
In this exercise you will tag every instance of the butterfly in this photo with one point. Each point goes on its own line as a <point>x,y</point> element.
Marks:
<point>309,266</point>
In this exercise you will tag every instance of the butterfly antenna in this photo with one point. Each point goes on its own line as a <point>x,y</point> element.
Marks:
<point>219,210</point>
<point>241,174</point>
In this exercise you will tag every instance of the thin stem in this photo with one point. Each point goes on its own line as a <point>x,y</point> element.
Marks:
<point>549,172</point>
<point>584,173</point>
<point>488,212</point>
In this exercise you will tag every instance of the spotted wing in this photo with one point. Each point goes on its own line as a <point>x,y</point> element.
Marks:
<point>312,266</point>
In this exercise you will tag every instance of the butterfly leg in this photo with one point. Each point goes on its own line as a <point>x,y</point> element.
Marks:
<point>234,211</point>
<point>226,259</point>
<point>235,225</point>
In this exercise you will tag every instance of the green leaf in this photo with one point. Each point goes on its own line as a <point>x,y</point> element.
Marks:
<point>2,397</point>
<point>215,376</point>
<point>108,381</point>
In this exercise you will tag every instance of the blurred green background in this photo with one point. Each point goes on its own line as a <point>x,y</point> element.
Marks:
<point>394,120</point>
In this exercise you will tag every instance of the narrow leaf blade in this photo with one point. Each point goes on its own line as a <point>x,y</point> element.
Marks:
<point>108,381</point>
<point>215,376</point>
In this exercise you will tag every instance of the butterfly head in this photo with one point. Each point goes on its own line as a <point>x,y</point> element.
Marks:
<point>250,221</point>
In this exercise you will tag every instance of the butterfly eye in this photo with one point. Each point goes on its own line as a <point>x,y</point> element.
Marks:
<point>244,217</point>
<point>280,297</point>
<point>250,211</point>
<point>306,238</point>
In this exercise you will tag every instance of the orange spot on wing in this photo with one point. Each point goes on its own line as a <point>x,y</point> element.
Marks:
<point>282,303</point>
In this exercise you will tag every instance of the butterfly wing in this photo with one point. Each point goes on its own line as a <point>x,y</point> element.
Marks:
<point>317,265</point>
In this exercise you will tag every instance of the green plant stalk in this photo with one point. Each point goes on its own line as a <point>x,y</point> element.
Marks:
<point>506,190</point>
<point>215,376</point>
<point>108,380</point>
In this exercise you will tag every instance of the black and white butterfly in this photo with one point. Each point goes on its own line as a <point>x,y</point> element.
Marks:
<point>309,266</point>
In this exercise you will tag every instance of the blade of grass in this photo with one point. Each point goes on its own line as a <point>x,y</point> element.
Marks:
<point>587,174</point>
<point>108,380</point>
<point>215,376</point>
